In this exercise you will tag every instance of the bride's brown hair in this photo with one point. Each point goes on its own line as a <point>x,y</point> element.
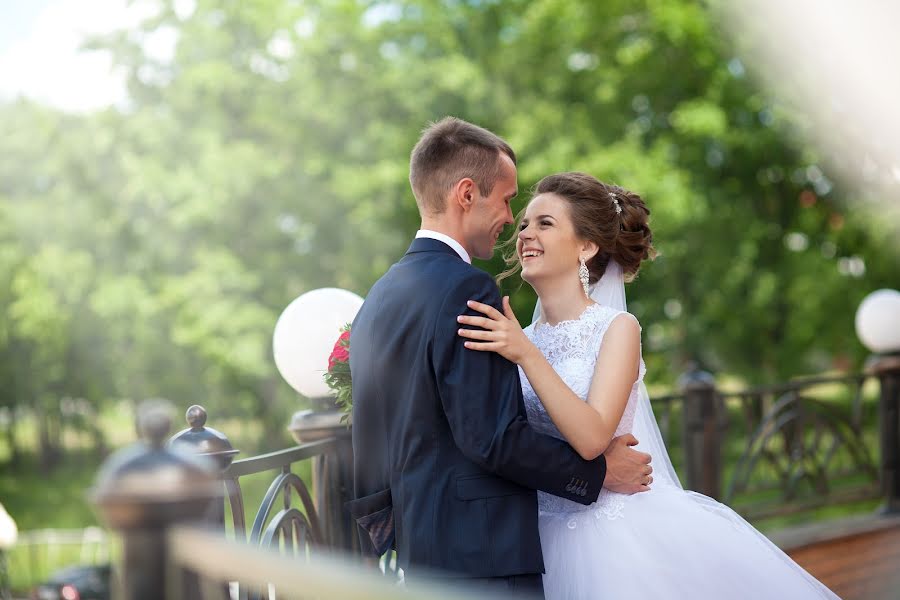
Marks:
<point>621,235</point>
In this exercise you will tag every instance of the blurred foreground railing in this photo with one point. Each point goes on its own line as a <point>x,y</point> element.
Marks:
<point>786,448</point>
<point>324,576</point>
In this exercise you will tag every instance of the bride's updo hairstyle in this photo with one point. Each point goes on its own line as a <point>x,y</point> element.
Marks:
<point>612,217</point>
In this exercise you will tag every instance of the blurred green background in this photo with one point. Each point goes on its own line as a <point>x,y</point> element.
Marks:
<point>147,249</point>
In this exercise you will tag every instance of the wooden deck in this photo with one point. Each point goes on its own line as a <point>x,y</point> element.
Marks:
<point>858,559</point>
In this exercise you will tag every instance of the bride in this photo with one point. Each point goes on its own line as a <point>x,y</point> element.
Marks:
<point>582,377</point>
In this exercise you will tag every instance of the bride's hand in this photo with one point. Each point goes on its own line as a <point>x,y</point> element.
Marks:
<point>502,333</point>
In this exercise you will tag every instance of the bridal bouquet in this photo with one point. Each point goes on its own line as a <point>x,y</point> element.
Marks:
<point>337,377</point>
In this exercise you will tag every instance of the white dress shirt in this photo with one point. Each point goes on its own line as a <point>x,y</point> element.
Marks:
<point>435,235</point>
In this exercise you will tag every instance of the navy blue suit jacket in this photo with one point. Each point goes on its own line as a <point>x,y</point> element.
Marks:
<point>446,465</point>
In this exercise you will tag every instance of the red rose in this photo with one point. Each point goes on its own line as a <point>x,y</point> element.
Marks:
<point>337,377</point>
<point>341,350</point>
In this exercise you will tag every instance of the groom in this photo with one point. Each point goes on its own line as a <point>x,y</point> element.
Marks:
<point>445,463</point>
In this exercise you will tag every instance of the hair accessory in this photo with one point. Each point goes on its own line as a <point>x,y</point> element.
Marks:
<point>615,200</point>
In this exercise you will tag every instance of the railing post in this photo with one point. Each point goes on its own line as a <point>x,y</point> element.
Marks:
<point>701,433</point>
<point>205,441</point>
<point>141,491</point>
<point>332,472</point>
<point>887,369</point>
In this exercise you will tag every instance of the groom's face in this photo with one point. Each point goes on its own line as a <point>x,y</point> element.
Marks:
<point>491,213</point>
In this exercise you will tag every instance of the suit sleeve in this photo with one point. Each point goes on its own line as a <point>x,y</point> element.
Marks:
<point>482,399</point>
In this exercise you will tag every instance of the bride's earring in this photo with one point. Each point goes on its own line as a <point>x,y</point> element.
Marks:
<point>584,275</point>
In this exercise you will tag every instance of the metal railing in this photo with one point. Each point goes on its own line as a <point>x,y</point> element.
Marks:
<point>287,518</point>
<point>278,519</point>
<point>789,447</point>
<point>782,449</point>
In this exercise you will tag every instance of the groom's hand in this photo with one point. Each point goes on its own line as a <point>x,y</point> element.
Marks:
<point>627,471</point>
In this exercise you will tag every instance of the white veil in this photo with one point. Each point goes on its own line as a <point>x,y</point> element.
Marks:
<point>610,291</point>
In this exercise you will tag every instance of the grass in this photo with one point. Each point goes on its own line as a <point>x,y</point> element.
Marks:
<point>32,563</point>
<point>58,500</point>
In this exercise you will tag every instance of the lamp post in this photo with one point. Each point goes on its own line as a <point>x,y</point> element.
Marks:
<point>303,339</point>
<point>878,328</point>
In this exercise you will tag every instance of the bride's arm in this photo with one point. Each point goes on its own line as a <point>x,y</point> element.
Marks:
<point>590,426</point>
<point>587,426</point>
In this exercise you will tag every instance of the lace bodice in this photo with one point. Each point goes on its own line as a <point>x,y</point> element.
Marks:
<point>571,348</point>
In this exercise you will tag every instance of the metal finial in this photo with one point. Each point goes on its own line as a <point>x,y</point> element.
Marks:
<point>154,419</point>
<point>196,417</point>
<point>199,439</point>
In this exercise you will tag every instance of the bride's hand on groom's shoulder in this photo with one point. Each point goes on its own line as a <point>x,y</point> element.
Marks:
<point>500,332</point>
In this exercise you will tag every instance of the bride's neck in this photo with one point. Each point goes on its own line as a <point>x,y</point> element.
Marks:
<point>561,301</point>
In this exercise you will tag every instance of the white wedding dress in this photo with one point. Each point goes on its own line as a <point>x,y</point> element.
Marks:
<point>665,543</point>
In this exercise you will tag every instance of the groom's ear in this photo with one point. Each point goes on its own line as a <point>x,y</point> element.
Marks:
<point>463,193</point>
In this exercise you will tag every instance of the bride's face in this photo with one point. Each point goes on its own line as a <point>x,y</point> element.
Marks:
<point>547,245</point>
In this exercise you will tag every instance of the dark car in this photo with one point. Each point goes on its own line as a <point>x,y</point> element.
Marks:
<point>86,582</point>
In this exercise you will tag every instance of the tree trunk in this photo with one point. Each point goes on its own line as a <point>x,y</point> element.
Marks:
<point>12,442</point>
<point>100,447</point>
<point>49,437</point>
<point>45,444</point>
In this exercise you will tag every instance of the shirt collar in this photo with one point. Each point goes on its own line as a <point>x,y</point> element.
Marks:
<point>436,235</point>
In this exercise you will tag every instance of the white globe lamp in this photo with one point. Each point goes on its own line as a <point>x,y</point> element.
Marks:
<point>302,342</point>
<point>305,335</point>
<point>878,321</point>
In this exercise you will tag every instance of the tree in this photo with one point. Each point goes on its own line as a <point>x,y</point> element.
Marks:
<point>147,251</point>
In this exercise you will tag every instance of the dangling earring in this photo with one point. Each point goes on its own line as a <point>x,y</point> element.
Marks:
<point>584,275</point>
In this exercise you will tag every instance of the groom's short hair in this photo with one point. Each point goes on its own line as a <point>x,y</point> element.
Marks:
<point>449,150</point>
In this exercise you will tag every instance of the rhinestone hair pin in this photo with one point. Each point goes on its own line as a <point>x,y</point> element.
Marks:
<point>615,200</point>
